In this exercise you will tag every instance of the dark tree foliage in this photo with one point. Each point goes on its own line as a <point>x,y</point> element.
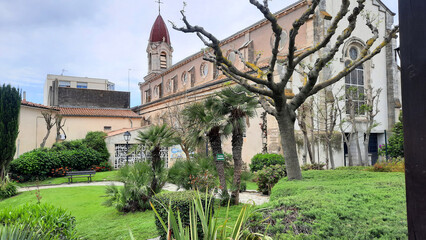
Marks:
<point>96,140</point>
<point>10,103</point>
<point>396,140</point>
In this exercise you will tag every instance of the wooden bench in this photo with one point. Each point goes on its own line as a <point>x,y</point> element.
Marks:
<point>77,174</point>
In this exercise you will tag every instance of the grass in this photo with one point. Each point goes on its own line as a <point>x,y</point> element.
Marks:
<point>251,185</point>
<point>346,204</point>
<point>95,221</point>
<point>99,176</point>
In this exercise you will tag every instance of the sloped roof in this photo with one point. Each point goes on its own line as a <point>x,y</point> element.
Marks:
<point>123,130</point>
<point>159,31</point>
<point>36,105</point>
<point>98,112</point>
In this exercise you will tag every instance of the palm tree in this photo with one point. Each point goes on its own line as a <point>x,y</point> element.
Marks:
<point>153,139</point>
<point>238,105</point>
<point>210,124</point>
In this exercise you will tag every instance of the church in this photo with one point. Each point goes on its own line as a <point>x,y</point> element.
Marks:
<point>193,79</point>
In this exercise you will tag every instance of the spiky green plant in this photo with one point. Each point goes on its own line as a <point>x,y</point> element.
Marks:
<point>211,228</point>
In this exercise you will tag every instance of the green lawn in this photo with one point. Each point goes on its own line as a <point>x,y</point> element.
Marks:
<point>95,221</point>
<point>339,205</point>
<point>251,185</point>
<point>99,176</point>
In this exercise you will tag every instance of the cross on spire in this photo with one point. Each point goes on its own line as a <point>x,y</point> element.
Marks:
<point>159,6</point>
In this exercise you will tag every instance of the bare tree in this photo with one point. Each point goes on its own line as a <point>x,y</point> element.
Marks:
<point>272,93</point>
<point>301,120</point>
<point>176,121</point>
<point>371,110</point>
<point>49,118</point>
<point>59,125</point>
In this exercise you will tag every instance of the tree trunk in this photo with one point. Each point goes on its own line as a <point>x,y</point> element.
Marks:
<point>286,126</point>
<point>186,151</point>
<point>237,147</point>
<point>366,141</point>
<point>358,148</point>
<point>216,145</point>
<point>305,149</point>
<point>312,154</point>
<point>330,152</point>
<point>155,165</point>
<point>45,139</point>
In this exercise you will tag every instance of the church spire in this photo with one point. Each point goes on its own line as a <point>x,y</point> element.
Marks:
<point>159,48</point>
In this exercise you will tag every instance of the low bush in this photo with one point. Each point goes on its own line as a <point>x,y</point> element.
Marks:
<point>204,181</point>
<point>261,160</point>
<point>41,163</point>
<point>42,218</point>
<point>102,167</point>
<point>183,170</point>
<point>353,168</point>
<point>179,201</point>
<point>315,166</point>
<point>392,165</point>
<point>135,194</point>
<point>7,189</point>
<point>268,177</point>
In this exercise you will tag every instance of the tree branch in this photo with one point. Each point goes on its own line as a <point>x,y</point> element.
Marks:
<point>267,107</point>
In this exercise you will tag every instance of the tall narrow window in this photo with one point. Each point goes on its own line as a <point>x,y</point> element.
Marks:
<point>355,93</point>
<point>163,60</point>
<point>148,96</point>
<point>192,76</point>
<point>175,84</point>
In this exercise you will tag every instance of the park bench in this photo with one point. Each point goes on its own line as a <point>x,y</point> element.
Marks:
<point>77,174</point>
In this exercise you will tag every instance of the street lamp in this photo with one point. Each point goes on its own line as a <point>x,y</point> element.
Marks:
<point>127,136</point>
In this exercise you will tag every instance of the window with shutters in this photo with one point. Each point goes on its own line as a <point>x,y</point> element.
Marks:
<point>163,60</point>
<point>148,96</point>
<point>175,84</point>
<point>192,76</point>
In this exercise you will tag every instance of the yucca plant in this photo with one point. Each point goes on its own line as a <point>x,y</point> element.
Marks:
<point>211,228</point>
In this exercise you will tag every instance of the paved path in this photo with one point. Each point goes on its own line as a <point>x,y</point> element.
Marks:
<point>245,197</point>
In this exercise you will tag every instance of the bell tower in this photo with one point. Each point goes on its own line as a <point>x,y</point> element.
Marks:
<point>159,48</point>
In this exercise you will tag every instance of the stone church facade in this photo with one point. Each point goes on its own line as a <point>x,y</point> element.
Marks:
<point>193,78</point>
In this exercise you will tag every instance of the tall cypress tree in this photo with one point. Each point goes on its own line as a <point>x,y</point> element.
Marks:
<point>10,103</point>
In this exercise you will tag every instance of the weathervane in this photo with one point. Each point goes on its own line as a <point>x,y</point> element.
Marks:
<point>159,6</point>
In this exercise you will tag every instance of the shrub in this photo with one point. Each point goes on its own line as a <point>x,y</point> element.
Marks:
<point>182,170</point>
<point>68,145</point>
<point>268,177</point>
<point>179,201</point>
<point>40,163</point>
<point>315,166</point>
<point>135,194</point>
<point>395,144</point>
<point>42,218</point>
<point>7,188</point>
<point>96,141</point>
<point>260,160</point>
<point>203,182</point>
<point>102,167</point>
<point>393,165</point>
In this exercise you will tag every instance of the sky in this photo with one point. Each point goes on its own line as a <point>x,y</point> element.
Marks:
<point>106,38</point>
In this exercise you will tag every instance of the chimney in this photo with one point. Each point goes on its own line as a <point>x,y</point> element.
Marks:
<point>25,96</point>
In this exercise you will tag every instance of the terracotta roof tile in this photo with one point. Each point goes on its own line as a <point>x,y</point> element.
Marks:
<point>98,112</point>
<point>31,104</point>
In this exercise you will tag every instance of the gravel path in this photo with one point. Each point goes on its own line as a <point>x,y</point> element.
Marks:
<point>245,197</point>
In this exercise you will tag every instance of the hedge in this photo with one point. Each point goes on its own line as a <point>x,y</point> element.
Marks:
<point>260,160</point>
<point>40,163</point>
<point>181,201</point>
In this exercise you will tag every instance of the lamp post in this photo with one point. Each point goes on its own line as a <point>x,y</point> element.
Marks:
<point>127,136</point>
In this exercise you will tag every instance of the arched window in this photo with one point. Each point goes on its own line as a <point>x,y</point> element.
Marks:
<point>204,69</point>
<point>283,40</point>
<point>163,60</point>
<point>354,86</point>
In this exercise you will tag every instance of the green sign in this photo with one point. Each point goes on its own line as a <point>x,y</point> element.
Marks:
<point>220,157</point>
